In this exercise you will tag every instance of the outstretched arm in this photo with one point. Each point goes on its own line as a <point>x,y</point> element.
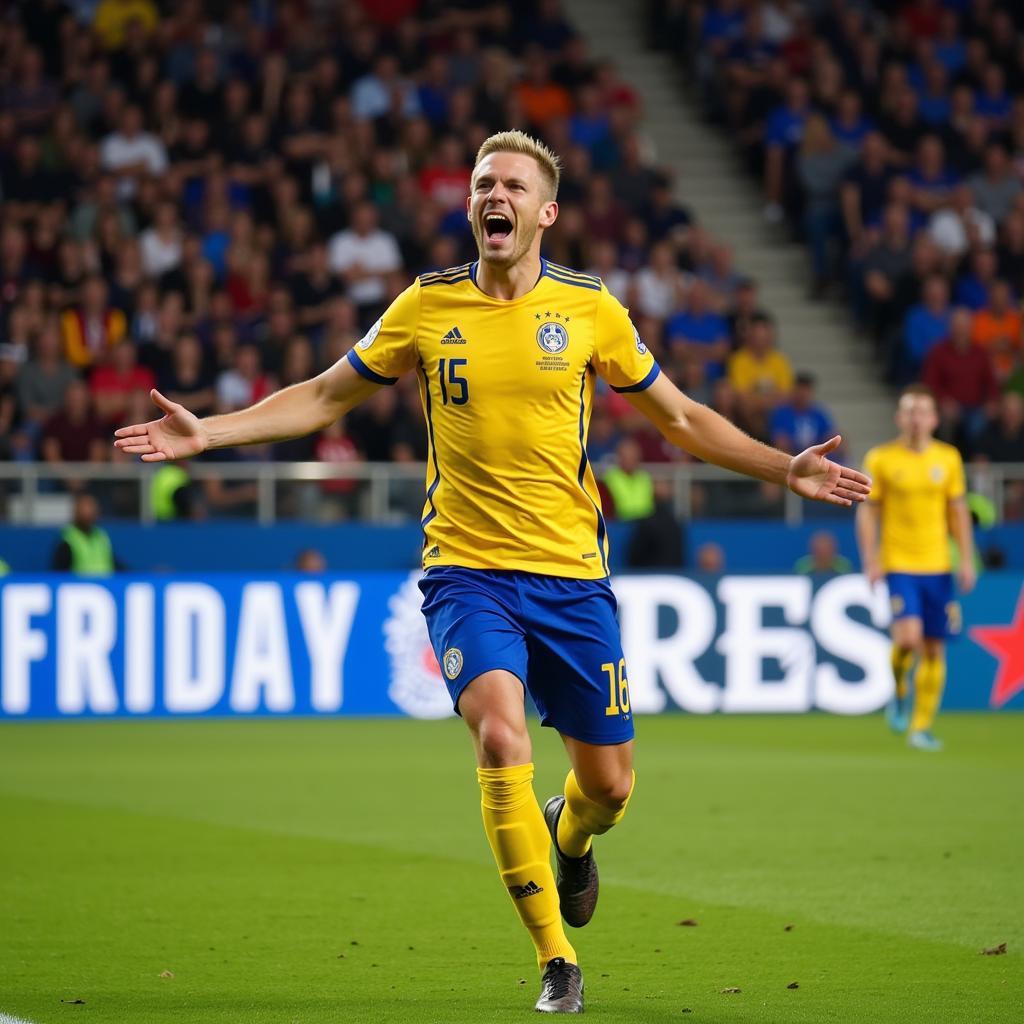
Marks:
<point>867,540</point>
<point>300,409</point>
<point>702,432</point>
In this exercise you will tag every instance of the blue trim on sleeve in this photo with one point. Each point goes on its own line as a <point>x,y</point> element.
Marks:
<point>364,371</point>
<point>651,377</point>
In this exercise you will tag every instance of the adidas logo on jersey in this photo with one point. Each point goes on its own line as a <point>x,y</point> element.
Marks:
<point>434,552</point>
<point>453,337</point>
<point>521,891</point>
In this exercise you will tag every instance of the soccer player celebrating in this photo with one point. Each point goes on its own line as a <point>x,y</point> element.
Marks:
<point>507,351</point>
<point>903,530</point>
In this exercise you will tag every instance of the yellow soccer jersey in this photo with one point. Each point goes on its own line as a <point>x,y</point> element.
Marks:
<point>914,489</point>
<point>507,388</point>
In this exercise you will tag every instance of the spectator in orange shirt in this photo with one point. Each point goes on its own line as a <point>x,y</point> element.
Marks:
<point>997,327</point>
<point>93,326</point>
<point>541,99</point>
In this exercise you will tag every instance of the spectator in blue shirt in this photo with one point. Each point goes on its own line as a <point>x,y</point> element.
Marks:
<point>589,126</point>
<point>931,181</point>
<point>850,125</point>
<point>933,102</point>
<point>992,101</point>
<point>972,288</point>
<point>927,323</point>
<point>372,95</point>
<point>800,422</point>
<point>699,332</point>
<point>949,47</point>
<point>722,20</point>
<point>783,133</point>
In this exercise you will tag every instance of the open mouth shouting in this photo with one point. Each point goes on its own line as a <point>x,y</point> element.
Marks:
<point>497,227</point>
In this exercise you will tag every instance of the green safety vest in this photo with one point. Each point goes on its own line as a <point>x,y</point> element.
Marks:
<point>91,553</point>
<point>805,565</point>
<point>167,481</point>
<point>633,494</point>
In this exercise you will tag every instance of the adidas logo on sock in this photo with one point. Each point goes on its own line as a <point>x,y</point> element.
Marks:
<point>453,337</point>
<point>522,891</point>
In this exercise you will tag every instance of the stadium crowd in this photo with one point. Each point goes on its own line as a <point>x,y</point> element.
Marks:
<point>219,203</point>
<point>890,137</point>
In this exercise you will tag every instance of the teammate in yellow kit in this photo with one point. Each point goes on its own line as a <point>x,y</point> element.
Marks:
<point>507,351</point>
<point>916,503</point>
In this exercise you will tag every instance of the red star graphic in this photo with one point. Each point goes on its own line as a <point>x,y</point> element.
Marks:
<point>1007,644</point>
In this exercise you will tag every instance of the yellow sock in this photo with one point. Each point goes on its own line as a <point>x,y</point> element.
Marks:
<point>522,848</point>
<point>902,662</point>
<point>928,686</point>
<point>581,818</point>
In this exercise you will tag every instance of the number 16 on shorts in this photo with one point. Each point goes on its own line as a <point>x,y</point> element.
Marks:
<point>618,688</point>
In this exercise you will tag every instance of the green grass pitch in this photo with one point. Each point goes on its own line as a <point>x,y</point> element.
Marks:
<point>306,872</point>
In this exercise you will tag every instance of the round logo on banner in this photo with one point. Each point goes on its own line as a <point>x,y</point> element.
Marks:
<point>552,338</point>
<point>416,686</point>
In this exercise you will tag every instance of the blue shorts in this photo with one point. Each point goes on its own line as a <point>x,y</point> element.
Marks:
<point>928,597</point>
<point>559,636</point>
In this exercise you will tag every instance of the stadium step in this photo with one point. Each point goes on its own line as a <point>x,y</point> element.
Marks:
<point>817,337</point>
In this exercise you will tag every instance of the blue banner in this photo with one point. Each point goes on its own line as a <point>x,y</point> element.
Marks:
<point>289,644</point>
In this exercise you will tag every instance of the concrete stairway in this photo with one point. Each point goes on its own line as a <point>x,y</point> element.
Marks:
<point>816,336</point>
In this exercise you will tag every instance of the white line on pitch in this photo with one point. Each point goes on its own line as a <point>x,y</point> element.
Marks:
<point>6,1018</point>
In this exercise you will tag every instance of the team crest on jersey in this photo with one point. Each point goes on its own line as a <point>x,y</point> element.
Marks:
<point>552,338</point>
<point>640,346</point>
<point>452,662</point>
<point>936,474</point>
<point>370,336</point>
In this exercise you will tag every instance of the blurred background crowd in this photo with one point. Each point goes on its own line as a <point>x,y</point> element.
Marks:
<point>219,198</point>
<point>890,137</point>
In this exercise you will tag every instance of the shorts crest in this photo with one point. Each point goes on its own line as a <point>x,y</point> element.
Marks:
<point>452,662</point>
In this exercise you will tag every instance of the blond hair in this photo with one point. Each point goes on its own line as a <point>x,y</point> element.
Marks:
<point>515,141</point>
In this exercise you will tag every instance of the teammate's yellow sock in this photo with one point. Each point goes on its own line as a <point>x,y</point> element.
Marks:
<point>581,818</point>
<point>902,662</point>
<point>929,683</point>
<point>522,848</point>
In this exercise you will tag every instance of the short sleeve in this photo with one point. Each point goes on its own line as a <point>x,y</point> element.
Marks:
<point>873,468</point>
<point>620,357</point>
<point>389,349</point>
<point>956,486</point>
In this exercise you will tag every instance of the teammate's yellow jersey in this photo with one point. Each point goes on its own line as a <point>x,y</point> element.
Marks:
<point>507,388</point>
<point>914,490</point>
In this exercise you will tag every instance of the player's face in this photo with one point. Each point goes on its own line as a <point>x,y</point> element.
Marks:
<point>917,417</point>
<point>507,207</point>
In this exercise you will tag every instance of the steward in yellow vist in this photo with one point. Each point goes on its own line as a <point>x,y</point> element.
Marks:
<point>507,351</point>
<point>903,531</point>
<point>84,547</point>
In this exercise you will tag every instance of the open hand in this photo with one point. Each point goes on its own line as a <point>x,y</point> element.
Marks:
<point>178,434</point>
<point>811,475</point>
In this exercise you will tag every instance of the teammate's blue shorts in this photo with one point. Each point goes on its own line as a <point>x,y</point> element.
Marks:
<point>559,636</point>
<point>928,597</point>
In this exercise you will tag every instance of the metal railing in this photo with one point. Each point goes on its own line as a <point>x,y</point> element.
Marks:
<point>37,492</point>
